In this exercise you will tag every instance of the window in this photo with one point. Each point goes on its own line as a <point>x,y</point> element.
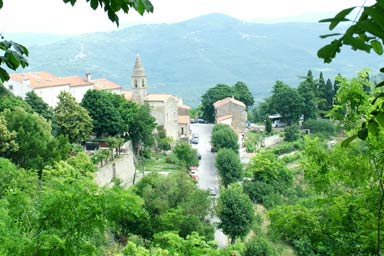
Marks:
<point>143,83</point>
<point>135,83</point>
<point>182,130</point>
<point>10,87</point>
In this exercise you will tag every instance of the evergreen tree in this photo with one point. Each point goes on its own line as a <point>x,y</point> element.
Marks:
<point>39,106</point>
<point>329,94</point>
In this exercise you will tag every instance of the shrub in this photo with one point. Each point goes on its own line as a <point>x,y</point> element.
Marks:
<point>259,246</point>
<point>292,133</point>
<point>320,126</point>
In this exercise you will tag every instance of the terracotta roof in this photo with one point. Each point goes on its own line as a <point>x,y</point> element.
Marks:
<point>222,102</point>
<point>222,118</point>
<point>38,79</point>
<point>157,97</point>
<point>183,106</point>
<point>127,95</point>
<point>75,81</point>
<point>104,84</point>
<point>183,119</point>
<point>45,79</point>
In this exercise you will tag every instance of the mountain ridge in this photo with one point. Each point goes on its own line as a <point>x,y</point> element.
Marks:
<point>199,53</point>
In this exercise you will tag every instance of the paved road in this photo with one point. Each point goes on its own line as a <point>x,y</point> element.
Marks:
<point>208,177</point>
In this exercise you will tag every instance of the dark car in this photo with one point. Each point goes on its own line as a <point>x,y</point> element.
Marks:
<point>199,156</point>
<point>201,121</point>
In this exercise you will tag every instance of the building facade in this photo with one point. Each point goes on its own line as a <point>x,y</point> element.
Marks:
<point>232,112</point>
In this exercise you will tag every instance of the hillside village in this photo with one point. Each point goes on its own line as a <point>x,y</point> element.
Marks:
<point>88,167</point>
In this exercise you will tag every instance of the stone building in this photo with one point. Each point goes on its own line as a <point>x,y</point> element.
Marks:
<point>167,109</point>
<point>232,112</point>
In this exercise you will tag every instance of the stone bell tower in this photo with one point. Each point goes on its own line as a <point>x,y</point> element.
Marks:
<point>139,81</point>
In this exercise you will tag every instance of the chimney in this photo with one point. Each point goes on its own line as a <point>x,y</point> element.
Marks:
<point>88,76</point>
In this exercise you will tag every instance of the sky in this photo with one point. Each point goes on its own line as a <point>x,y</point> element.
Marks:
<point>56,17</point>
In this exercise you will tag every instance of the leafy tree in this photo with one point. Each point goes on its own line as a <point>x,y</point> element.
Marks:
<point>235,211</point>
<point>287,102</point>
<point>229,166</point>
<point>36,146</point>
<point>243,94</point>
<point>268,125</point>
<point>308,95</point>
<point>72,120</point>
<point>186,154</point>
<point>214,94</point>
<point>223,136</point>
<point>328,94</point>
<point>7,138</point>
<point>259,246</point>
<point>106,117</point>
<point>270,178</point>
<point>39,106</point>
<point>140,126</point>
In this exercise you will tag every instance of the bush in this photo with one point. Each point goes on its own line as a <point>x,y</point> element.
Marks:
<point>224,137</point>
<point>292,133</point>
<point>259,246</point>
<point>320,126</point>
<point>287,147</point>
<point>171,159</point>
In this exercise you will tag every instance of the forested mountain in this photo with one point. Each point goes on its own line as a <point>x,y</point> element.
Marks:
<point>187,58</point>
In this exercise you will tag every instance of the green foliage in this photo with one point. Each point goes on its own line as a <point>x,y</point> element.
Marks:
<point>36,146</point>
<point>287,102</point>
<point>214,94</point>
<point>228,165</point>
<point>292,133</point>
<point>307,90</point>
<point>174,203</point>
<point>235,211</point>
<point>39,106</point>
<point>13,56</point>
<point>7,138</point>
<point>252,141</point>
<point>259,246</point>
<point>268,125</point>
<point>272,181</point>
<point>243,94</point>
<point>287,147</point>
<point>83,163</point>
<point>223,136</point>
<point>186,154</point>
<point>320,126</point>
<point>9,101</point>
<point>106,117</point>
<point>71,119</point>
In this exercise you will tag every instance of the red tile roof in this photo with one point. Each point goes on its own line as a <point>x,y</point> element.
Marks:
<point>105,84</point>
<point>222,102</point>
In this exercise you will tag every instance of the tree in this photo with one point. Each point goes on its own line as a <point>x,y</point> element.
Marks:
<point>235,211</point>
<point>39,106</point>
<point>292,133</point>
<point>287,102</point>
<point>107,119</point>
<point>268,125</point>
<point>140,125</point>
<point>228,165</point>
<point>214,94</point>
<point>243,94</point>
<point>186,154</point>
<point>308,95</point>
<point>36,146</point>
<point>15,54</point>
<point>7,138</point>
<point>223,136</point>
<point>72,119</point>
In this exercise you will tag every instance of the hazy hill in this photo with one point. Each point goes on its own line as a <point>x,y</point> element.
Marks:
<point>187,58</point>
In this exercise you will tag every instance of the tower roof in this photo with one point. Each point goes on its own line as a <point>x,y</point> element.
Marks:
<point>138,69</point>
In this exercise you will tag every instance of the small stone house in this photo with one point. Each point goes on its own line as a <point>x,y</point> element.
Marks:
<point>232,112</point>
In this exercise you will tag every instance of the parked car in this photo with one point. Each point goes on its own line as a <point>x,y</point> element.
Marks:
<point>199,156</point>
<point>212,191</point>
<point>201,121</point>
<point>195,177</point>
<point>195,138</point>
<point>193,121</point>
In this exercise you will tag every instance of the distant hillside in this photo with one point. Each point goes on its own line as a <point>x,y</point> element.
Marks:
<point>187,58</point>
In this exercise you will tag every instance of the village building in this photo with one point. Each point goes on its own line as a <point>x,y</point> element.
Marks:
<point>231,112</point>
<point>168,110</point>
<point>48,86</point>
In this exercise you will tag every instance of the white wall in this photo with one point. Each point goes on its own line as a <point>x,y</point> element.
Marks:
<point>79,91</point>
<point>17,88</point>
<point>50,94</point>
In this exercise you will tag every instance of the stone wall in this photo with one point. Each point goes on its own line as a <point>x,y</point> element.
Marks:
<point>122,168</point>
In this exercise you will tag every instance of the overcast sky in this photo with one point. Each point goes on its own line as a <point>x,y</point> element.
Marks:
<point>53,16</point>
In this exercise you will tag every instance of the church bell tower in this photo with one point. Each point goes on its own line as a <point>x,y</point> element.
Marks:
<point>139,82</point>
